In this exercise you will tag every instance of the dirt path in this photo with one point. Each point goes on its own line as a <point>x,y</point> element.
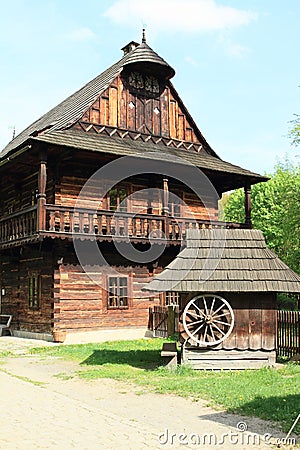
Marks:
<point>43,411</point>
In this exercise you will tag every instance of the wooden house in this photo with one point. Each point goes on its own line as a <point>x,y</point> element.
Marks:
<point>227,281</point>
<point>130,110</point>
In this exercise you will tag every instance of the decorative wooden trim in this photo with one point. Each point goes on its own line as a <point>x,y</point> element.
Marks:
<point>137,135</point>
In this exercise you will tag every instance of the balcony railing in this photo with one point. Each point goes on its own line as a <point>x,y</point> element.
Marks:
<point>63,221</point>
<point>123,225</point>
<point>20,226</point>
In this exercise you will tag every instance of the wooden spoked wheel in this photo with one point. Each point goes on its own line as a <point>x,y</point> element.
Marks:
<point>208,319</point>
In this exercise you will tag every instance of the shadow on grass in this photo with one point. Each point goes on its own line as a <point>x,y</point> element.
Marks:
<point>281,409</point>
<point>142,359</point>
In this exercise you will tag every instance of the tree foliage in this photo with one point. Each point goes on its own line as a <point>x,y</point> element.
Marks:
<point>295,130</point>
<point>275,211</point>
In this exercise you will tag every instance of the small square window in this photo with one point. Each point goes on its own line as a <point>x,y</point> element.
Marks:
<point>117,292</point>
<point>172,298</point>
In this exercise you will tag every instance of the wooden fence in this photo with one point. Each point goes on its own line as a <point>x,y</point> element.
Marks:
<point>163,320</point>
<point>288,333</point>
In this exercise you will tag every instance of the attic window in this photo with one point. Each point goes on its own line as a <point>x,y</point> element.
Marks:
<point>156,110</point>
<point>131,105</point>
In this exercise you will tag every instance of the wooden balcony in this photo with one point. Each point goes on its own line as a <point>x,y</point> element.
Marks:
<point>108,225</point>
<point>82,223</point>
<point>19,227</point>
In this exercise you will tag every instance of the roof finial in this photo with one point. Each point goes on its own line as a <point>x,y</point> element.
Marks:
<point>144,36</point>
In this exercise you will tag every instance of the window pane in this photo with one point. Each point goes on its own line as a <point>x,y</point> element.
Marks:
<point>123,281</point>
<point>122,199</point>
<point>113,203</point>
<point>118,292</point>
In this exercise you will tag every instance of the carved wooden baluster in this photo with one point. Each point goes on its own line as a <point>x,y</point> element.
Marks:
<point>14,228</point>
<point>71,221</point>
<point>108,224</point>
<point>117,225</point>
<point>142,227</point>
<point>94,229</point>
<point>8,231</point>
<point>137,227</point>
<point>126,227</point>
<point>134,226</point>
<point>90,223</point>
<point>76,225</point>
<point>62,221</point>
<point>100,224</point>
<point>81,222</point>
<point>52,221</point>
<point>22,225</point>
<point>172,230</point>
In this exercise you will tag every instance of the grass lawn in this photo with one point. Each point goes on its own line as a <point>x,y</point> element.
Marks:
<point>268,393</point>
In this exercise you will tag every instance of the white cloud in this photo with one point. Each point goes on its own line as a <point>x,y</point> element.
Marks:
<point>192,61</point>
<point>236,50</point>
<point>81,34</point>
<point>178,15</point>
<point>232,49</point>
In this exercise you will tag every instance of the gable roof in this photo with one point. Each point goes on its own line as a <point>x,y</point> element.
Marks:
<point>220,260</point>
<point>56,125</point>
<point>72,108</point>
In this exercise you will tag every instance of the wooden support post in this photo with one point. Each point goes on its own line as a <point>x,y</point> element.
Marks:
<point>248,221</point>
<point>165,209</point>
<point>41,198</point>
<point>171,320</point>
<point>149,201</point>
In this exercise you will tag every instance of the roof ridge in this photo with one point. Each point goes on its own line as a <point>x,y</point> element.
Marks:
<point>56,114</point>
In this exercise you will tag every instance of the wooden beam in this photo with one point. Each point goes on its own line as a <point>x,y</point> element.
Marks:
<point>248,221</point>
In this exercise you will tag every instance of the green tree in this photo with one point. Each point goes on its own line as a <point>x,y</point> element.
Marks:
<point>295,130</point>
<point>275,211</point>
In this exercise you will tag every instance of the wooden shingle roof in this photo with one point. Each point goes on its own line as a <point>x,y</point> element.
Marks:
<point>72,108</point>
<point>55,127</point>
<point>159,152</point>
<point>220,260</point>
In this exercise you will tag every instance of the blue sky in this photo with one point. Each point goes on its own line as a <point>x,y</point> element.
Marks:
<point>237,63</point>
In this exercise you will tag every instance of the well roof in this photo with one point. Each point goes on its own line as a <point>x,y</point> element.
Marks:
<point>224,260</point>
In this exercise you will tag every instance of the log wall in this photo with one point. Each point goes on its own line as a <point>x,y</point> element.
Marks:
<point>15,270</point>
<point>69,187</point>
<point>80,302</point>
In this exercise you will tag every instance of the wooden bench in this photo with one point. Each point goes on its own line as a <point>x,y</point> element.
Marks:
<point>5,321</point>
<point>169,354</point>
